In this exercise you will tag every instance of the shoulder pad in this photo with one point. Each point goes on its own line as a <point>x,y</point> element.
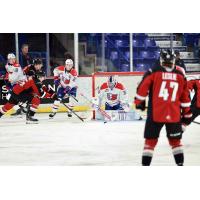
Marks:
<point>180,69</point>
<point>60,68</point>
<point>119,86</point>
<point>73,72</point>
<point>104,86</point>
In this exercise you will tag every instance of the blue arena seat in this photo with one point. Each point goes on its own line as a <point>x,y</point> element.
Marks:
<point>124,68</point>
<point>149,43</point>
<point>138,43</point>
<point>145,54</point>
<point>156,54</point>
<point>122,43</point>
<point>127,55</point>
<point>2,58</point>
<point>113,55</point>
<point>141,67</point>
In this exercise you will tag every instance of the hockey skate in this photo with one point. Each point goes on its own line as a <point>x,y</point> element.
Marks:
<point>51,115</point>
<point>18,113</point>
<point>30,119</point>
<point>69,114</point>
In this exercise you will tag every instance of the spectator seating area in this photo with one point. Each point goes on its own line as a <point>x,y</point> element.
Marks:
<point>35,54</point>
<point>146,48</point>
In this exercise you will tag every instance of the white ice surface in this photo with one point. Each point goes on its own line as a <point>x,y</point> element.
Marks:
<point>70,142</point>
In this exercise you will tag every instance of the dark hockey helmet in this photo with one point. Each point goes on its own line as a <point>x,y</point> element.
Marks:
<point>40,74</point>
<point>167,58</point>
<point>37,61</point>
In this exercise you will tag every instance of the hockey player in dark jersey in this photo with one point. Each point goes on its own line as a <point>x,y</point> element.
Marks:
<point>169,102</point>
<point>30,71</point>
<point>29,91</point>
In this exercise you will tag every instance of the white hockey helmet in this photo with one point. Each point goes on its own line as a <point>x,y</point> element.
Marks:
<point>112,81</point>
<point>11,56</point>
<point>69,63</point>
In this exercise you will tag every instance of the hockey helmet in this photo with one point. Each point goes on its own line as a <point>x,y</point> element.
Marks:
<point>37,61</point>
<point>11,56</point>
<point>69,64</point>
<point>40,74</point>
<point>167,58</point>
<point>112,81</point>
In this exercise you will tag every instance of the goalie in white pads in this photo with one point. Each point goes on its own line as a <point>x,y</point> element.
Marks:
<point>114,93</point>
<point>115,97</point>
<point>65,80</point>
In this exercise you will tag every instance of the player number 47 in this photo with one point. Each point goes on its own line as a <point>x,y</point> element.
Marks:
<point>164,92</point>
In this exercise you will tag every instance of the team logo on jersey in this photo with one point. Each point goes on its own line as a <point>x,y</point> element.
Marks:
<point>111,96</point>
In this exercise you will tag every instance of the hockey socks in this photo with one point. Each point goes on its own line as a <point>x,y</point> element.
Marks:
<point>177,151</point>
<point>148,151</point>
<point>56,105</point>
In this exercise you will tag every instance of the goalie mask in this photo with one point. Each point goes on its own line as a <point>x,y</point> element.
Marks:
<point>112,81</point>
<point>167,59</point>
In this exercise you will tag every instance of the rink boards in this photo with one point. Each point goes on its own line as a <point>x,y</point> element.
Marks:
<point>85,86</point>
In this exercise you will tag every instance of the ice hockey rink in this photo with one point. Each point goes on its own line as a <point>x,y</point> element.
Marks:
<point>66,142</point>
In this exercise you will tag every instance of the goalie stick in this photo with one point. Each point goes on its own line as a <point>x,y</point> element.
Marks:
<point>71,110</point>
<point>102,112</point>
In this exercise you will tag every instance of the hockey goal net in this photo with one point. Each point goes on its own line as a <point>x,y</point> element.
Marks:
<point>130,81</point>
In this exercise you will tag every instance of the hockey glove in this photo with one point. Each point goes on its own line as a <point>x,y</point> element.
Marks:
<point>140,105</point>
<point>186,116</point>
<point>56,82</point>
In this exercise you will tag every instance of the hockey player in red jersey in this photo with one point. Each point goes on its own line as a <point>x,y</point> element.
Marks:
<point>32,69</point>
<point>169,102</point>
<point>28,91</point>
<point>193,85</point>
<point>114,94</point>
<point>65,80</point>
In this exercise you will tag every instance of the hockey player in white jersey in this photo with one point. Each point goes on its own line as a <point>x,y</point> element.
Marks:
<point>115,97</point>
<point>65,80</point>
<point>14,71</point>
<point>14,75</point>
<point>114,94</point>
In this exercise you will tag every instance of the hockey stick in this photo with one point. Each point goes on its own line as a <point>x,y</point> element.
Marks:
<point>74,97</point>
<point>102,112</point>
<point>71,110</point>
<point>196,122</point>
